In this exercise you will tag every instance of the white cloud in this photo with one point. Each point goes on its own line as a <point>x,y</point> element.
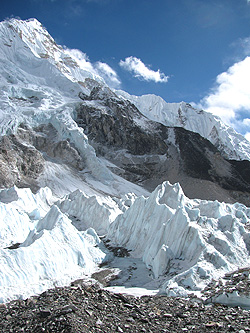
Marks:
<point>247,136</point>
<point>81,59</point>
<point>246,121</point>
<point>108,74</point>
<point>141,71</point>
<point>241,47</point>
<point>245,43</point>
<point>230,97</point>
<point>99,68</point>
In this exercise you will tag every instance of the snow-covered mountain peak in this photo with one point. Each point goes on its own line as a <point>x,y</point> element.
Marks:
<point>40,84</point>
<point>30,36</point>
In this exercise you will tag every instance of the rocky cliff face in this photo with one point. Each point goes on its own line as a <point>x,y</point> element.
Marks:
<point>19,163</point>
<point>113,123</point>
<point>23,155</point>
<point>44,138</point>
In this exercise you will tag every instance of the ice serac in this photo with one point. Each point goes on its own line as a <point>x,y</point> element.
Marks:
<point>53,254</point>
<point>20,208</point>
<point>195,240</point>
<point>90,211</point>
<point>231,144</point>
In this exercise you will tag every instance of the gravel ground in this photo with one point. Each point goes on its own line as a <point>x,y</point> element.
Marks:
<point>83,307</point>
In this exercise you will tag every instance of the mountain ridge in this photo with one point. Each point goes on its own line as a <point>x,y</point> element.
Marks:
<point>83,166</point>
<point>152,106</point>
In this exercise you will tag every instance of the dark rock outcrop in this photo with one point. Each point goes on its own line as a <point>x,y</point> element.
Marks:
<point>45,139</point>
<point>112,125</point>
<point>200,159</point>
<point>19,163</point>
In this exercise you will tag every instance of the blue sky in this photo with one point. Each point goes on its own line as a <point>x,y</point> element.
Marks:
<point>183,50</point>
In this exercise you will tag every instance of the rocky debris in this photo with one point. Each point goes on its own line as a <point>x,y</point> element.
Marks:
<point>82,307</point>
<point>236,284</point>
<point>118,251</point>
<point>104,276</point>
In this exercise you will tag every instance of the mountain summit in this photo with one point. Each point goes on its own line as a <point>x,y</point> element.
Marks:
<point>80,160</point>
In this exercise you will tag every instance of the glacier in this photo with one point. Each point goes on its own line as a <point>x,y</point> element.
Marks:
<point>195,240</point>
<point>185,243</point>
<point>54,231</point>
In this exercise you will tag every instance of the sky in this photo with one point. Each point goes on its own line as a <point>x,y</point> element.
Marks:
<point>197,51</point>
